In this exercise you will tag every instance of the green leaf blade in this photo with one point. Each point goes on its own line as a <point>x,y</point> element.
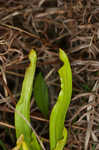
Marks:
<point>41,94</point>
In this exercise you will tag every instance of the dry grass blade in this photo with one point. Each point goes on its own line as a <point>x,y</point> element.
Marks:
<point>90,118</point>
<point>47,26</point>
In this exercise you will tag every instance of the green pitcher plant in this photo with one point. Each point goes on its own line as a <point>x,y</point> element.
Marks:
<point>26,138</point>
